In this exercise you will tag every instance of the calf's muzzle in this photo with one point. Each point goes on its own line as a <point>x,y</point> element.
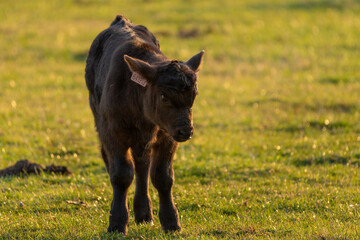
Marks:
<point>183,133</point>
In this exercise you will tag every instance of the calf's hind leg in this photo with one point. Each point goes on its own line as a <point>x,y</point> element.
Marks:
<point>162,177</point>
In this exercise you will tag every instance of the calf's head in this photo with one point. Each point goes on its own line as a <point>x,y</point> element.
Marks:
<point>171,88</point>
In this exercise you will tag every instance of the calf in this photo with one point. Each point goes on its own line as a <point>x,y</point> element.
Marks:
<point>141,102</point>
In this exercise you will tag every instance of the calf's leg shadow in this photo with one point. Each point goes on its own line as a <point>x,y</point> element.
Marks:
<point>162,177</point>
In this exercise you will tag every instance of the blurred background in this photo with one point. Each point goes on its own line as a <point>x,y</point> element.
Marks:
<point>276,119</point>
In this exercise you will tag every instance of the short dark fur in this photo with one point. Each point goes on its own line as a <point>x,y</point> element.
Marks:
<point>139,127</point>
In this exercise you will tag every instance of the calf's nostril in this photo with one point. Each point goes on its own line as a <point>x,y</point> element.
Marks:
<point>186,133</point>
<point>182,132</point>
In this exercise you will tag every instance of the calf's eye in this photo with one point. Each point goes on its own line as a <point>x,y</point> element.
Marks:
<point>163,98</point>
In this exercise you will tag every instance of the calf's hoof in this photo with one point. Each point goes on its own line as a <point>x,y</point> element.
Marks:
<point>117,229</point>
<point>144,218</point>
<point>171,228</point>
<point>169,219</point>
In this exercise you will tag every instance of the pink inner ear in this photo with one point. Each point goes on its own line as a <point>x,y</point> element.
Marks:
<point>135,77</point>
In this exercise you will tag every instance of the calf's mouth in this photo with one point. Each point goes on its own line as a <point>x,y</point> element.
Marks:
<point>182,134</point>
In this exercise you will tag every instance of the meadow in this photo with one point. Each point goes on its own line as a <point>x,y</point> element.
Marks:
<point>276,149</point>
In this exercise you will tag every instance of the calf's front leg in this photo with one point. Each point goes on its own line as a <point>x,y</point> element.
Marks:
<point>142,202</point>
<point>162,177</point>
<point>121,169</point>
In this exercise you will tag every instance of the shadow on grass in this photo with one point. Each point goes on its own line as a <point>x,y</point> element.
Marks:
<point>320,125</point>
<point>247,173</point>
<point>301,106</point>
<point>322,160</point>
<point>338,80</point>
<point>191,207</point>
<point>206,175</point>
<point>267,101</point>
<point>336,107</point>
<point>80,56</point>
<point>317,125</point>
<point>229,212</point>
<point>241,232</point>
<point>254,231</point>
<point>304,5</point>
<point>86,2</point>
<point>112,236</point>
<point>145,231</point>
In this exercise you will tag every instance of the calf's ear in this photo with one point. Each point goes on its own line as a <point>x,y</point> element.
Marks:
<point>195,62</point>
<point>140,67</point>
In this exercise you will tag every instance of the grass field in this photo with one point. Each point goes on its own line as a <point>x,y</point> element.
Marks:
<point>276,150</point>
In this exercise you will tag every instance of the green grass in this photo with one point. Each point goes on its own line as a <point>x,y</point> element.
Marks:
<point>276,152</point>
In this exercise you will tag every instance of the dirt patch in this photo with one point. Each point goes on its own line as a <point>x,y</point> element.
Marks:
<point>26,167</point>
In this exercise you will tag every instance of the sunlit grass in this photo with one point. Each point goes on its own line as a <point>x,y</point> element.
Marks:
<point>276,150</point>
